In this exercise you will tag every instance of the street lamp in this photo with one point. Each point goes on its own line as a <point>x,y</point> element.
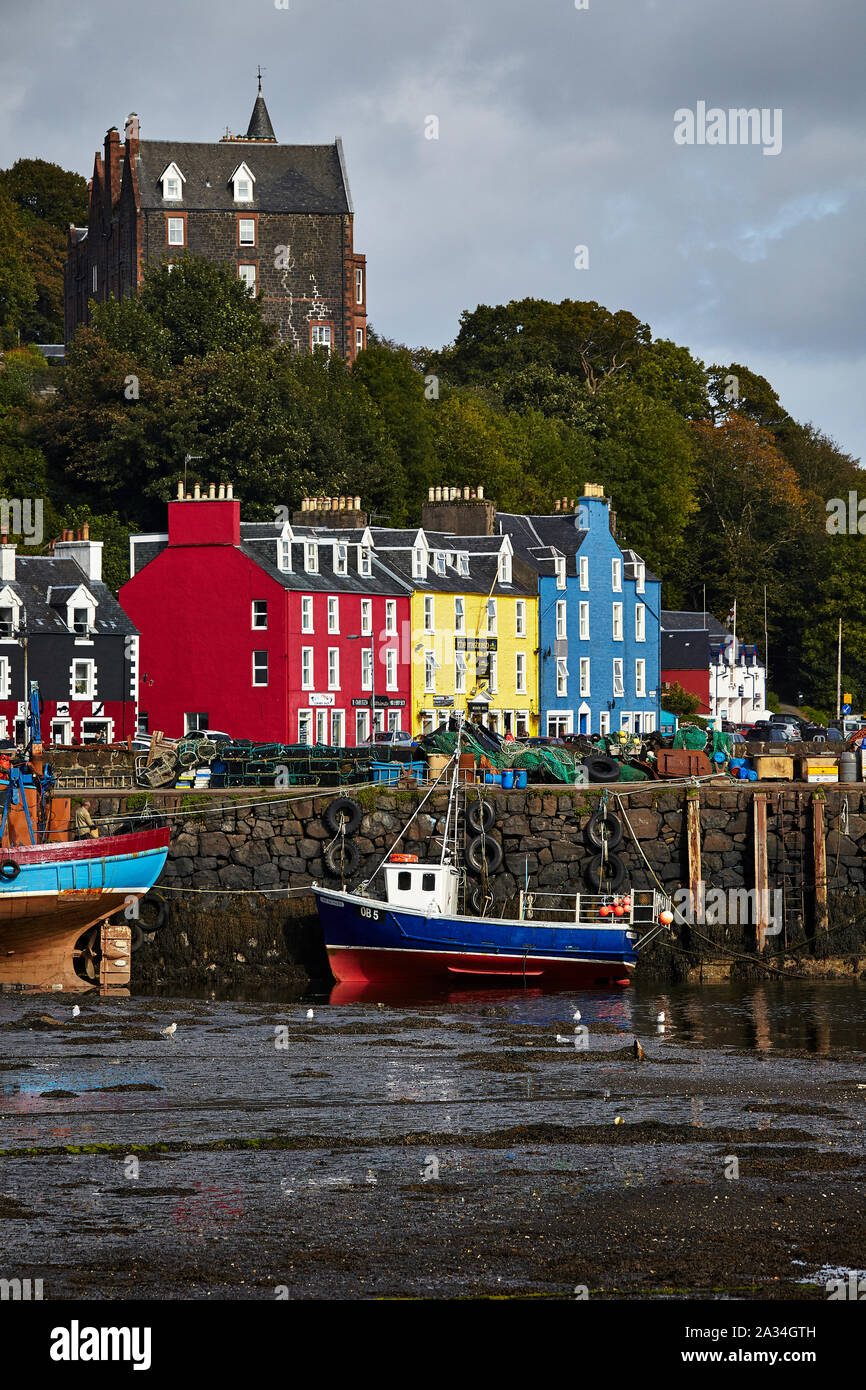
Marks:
<point>354,637</point>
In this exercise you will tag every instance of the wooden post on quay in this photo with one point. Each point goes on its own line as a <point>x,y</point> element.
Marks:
<point>693,841</point>
<point>819,854</point>
<point>761,881</point>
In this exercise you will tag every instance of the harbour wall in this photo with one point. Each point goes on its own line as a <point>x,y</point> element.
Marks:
<point>235,911</point>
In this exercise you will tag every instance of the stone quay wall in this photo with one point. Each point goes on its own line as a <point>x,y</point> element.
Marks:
<point>227,916</point>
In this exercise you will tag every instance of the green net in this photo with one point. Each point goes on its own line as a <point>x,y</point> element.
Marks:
<point>558,762</point>
<point>690,737</point>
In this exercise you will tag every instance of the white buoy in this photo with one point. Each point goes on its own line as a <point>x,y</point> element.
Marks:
<point>170,1031</point>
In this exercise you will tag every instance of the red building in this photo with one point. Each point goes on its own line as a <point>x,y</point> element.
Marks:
<point>685,643</point>
<point>258,631</point>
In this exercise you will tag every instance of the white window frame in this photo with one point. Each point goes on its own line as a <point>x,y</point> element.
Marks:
<point>338,728</point>
<point>460,673</point>
<point>284,561</point>
<point>333,668</point>
<point>257,668</point>
<point>246,222</point>
<point>394,722</point>
<point>364,561</point>
<point>321,723</point>
<point>520,617</point>
<point>559,723</point>
<point>390,668</point>
<point>255,617</point>
<point>311,557</point>
<point>366,668</point>
<point>390,617</point>
<point>491,616</point>
<point>321,336</point>
<point>463,562</point>
<point>362,726</point>
<point>618,678</point>
<point>359,285</point>
<point>520,673</point>
<point>561,620</point>
<point>640,622</point>
<point>616,574</point>
<point>583,615</point>
<point>248,273</point>
<point>243,184</point>
<point>459,614</point>
<point>333,613</point>
<point>429,672</point>
<point>492,672</point>
<point>559,570</point>
<point>89,693</point>
<point>439,562</point>
<point>640,577</point>
<point>604,722</point>
<point>307,614</point>
<point>504,568</point>
<point>305,727</point>
<point>583,566</point>
<point>341,557</point>
<point>359,340</point>
<point>561,677</point>
<point>366,617</point>
<point>616,622</point>
<point>640,678</point>
<point>429,613</point>
<point>308,668</point>
<point>584,675</point>
<point>521,723</point>
<point>176,224</point>
<point>419,563</point>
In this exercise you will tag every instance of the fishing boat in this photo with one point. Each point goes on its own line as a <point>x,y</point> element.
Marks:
<point>57,892</point>
<point>415,930</point>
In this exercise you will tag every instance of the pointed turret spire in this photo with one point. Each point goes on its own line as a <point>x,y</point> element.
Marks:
<point>260,127</point>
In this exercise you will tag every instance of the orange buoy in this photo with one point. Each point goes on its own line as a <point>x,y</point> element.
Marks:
<point>666,916</point>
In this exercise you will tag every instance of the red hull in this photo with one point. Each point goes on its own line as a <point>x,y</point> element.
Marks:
<point>359,967</point>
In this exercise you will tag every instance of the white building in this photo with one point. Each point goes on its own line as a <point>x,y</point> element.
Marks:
<point>738,680</point>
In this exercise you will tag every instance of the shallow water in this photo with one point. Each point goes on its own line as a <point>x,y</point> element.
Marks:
<point>444,1145</point>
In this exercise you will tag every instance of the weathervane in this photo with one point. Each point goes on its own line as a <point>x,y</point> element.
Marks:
<point>260,70</point>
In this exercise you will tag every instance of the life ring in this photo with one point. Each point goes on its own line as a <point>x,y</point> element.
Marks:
<point>607,882</point>
<point>343,816</point>
<point>483,852</point>
<point>602,769</point>
<point>604,830</point>
<point>478,900</point>
<point>342,858</point>
<point>9,870</point>
<point>480,816</point>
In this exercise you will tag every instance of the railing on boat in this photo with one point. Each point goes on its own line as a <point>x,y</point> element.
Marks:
<point>640,907</point>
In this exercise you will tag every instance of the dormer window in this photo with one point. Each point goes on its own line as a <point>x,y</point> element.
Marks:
<point>505,569</point>
<point>80,621</point>
<point>284,555</point>
<point>364,561</point>
<point>440,561</point>
<point>11,612</point>
<point>559,567</point>
<point>242,181</point>
<point>640,576</point>
<point>463,562</point>
<point>311,557</point>
<point>341,557</point>
<point>172,181</point>
<point>81,612</point>
<point>7,622</point>
<point>419,563</point>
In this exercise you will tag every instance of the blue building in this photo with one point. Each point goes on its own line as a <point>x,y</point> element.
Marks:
<point>598,620</point>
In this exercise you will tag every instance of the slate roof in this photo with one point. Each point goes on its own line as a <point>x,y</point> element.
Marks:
<point>678,620</point>
<point>43,585</point>
<point>260,127</point>
<point>288,178</point>
<point>381,580</point>
<point>685,650</point>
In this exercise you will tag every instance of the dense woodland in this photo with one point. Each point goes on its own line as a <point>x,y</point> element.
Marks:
<point>711,479</point>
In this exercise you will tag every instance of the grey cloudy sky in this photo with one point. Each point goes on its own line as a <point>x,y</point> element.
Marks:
<point>555,129</point>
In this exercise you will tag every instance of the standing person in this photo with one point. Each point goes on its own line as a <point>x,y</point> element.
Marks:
<point>84,827</point>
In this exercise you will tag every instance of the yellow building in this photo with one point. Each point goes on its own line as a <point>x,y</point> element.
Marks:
<point>474,629</point>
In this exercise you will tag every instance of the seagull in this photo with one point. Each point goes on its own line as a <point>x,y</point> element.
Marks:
<point>660,1018</point>
<point>76,1011</point>
<point>309,1013</point>
<point>170,1031</point>
<point>577,1015</point>
<point>561,1039</point>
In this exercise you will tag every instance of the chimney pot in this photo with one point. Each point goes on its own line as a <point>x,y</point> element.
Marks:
<point>211,492</point>
<point>196,493</point>
<point>230,492</point>
<point>481,493</point>
<point>85,531</point>
<point>180,492</point>
<point>357,504</point>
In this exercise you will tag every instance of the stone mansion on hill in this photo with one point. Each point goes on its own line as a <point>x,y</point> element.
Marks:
<point>281,214</point>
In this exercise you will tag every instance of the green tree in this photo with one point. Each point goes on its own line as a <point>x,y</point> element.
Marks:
<point>47,192</point>
<point>842,594</point>
<point>18,292</point>
<point>203,307</point>
<point>397,389</point>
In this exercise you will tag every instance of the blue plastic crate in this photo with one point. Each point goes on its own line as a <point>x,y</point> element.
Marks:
<point>386,772</point>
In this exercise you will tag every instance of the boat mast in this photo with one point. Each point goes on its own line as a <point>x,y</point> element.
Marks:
<point>452,801</point>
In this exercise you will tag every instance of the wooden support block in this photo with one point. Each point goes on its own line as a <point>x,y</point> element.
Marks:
<point>761,882</point>
<point>693,841</point>
<point>819,855</point>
